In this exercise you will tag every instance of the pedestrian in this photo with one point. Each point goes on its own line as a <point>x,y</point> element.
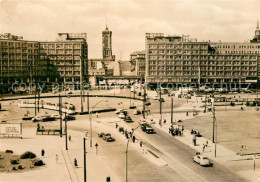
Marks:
<point>69,138</point>
<point>141,143</point>
<point>134,139</point>
<point>97,115</point>
<point>57,159</point>
<point>207,142</point>
<point>86,133</point>
<point>75,162</point>
<point>204,147</point>
<point>108,179</point>
<point>43,152</point>
<point>116,125</point>
<point>187,113</point>
<point>164,121</point>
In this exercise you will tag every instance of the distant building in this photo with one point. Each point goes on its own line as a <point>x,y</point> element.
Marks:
<point>178,59</point>
<point>23,61</point>
<point>69,54</point>
<point>99,67</point>
<point>137,60</point>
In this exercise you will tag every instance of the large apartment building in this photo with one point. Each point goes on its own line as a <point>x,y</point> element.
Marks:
<point>21,61</point>
<point>69,54</point>
<point>178,59</point>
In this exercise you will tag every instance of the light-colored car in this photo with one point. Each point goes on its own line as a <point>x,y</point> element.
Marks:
<point>118,111</point>
<point>37,118</point>
<point>57,116</point>
<point>202,160</point>
<point>121,115</point>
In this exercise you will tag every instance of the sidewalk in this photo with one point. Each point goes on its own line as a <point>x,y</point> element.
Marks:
<point>64,170</point>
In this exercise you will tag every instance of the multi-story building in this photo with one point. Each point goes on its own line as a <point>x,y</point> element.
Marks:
<point>178,59</point>
<point>137,60</point>
<point>22,62</point>
<point>69,54</point>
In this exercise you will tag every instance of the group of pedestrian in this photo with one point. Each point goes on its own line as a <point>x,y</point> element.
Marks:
<point>126,133</point>
<point>176,131</point>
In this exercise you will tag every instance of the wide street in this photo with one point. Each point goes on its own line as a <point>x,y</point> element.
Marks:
<point>162,158</point>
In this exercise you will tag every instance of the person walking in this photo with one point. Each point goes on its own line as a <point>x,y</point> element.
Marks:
<point>69,138</point>
<point>134,139</point>
<point>108,179</point>
<point>75,162</point>
<point>57,159</point>
<point>141,143</point>
<point>43,152</point>
<point>116,125</point>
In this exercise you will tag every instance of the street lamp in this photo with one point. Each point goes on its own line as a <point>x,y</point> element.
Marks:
<point>126,154</point>
<point>85,167</point>
<point>90,119</point>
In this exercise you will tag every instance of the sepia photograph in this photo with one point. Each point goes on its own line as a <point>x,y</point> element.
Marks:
<point>129,91</point>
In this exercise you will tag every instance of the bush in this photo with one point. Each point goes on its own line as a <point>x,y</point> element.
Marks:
<point>38,163</point>
<point>9,151</point>
<point>14,162</point>
<point>28,155</point>
<point>14,168</point>
<point>20,167</point>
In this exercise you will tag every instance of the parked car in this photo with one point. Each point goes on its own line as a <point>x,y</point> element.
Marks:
<point>202,160</point>
<point>48,118</point>
<point>107,135</point>
<point>110,139</point>
<point>26,117</point>
<point>137,112</point>
<point>147,103</point>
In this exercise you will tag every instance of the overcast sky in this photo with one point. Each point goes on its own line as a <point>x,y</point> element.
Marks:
<point>213,20</point>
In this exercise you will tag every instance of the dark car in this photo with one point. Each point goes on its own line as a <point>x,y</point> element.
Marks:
<point>100,135</point>
<point>147,128</point>
<point>110,139</point>
<point>128,119</point>
<point>147,103</point>
<point>161,100</point>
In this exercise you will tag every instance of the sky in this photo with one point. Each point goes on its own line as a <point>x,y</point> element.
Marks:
<point>214,20</point>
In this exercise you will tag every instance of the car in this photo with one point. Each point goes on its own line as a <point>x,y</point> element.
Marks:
<point>137,112</point>
<point>69,118</point>
<point>26,117</point>
<point>128,119</point>
<point>48,118</point>
<point>121,115</point>
<point>100,135</point>
<point>118,111</point>
<point>36,118</point>
<point>147,103</point>
<point>143,121</point>
<point>70,92</point>
<point>147,128</point>
<point>107,135</point>
<point>202,160</point>
<point>161,100</point>
<point>156,97</point>
<point>110,139</point>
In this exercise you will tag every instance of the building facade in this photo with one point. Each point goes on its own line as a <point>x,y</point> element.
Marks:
<point>69,54</point>
<point>22,61</point>
<point>178,59</point>
<point>137,60</point>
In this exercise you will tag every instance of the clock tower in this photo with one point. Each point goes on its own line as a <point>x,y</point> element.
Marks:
<point>107,44</point>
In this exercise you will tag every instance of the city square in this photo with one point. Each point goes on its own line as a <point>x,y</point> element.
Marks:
<point>134,91</point>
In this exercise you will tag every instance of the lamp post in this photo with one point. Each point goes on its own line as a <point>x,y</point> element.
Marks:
<point>90,119</point>
<point>126,155</point>
<point>171,110</point>
<point>66,131</point>
<point>85,166</point>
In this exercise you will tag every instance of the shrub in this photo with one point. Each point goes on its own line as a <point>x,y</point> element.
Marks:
<point>14,162</point>
<point>9,151</point>
<point>28,155</point>
<point>20,167</point>
<point>14,168</point>
<point>38,163</point>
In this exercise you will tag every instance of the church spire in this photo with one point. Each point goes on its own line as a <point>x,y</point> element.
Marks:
<point>106,24</point>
